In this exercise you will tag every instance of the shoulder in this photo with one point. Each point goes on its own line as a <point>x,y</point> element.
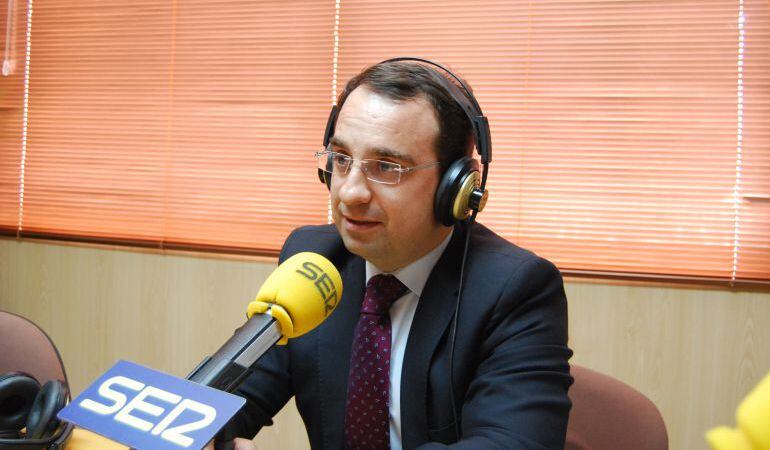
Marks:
<point>322,239</point>
<point>513,308</point>
<point>512,281</point>
<point>503,258</point>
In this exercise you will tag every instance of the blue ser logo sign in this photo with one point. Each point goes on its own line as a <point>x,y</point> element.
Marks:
<point>122,409</point>
<point>146,409</point>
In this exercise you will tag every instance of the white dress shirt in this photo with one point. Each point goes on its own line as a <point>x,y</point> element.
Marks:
<point>414,277</point>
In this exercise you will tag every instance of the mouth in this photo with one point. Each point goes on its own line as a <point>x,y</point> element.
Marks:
<point>359,223</point>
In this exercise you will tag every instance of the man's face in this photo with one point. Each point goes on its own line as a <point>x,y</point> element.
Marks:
<point>388,225</point>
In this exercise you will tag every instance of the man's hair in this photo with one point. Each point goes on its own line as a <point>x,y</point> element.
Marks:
<point>406,80</point>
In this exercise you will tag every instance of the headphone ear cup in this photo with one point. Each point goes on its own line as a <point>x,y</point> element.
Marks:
<point>326,176</point>
<point>17,395</point>
<point>451,191</point>
<point>42,421</point>
<point>328,180</point>
<point>331,122</point>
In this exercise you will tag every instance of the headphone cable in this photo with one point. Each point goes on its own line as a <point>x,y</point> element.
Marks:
<point>453,329</point>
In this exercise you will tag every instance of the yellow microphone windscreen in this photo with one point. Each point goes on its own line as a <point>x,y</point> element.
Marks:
<point>299,294</point>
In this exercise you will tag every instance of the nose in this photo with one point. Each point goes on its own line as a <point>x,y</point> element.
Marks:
<point>354,188</point>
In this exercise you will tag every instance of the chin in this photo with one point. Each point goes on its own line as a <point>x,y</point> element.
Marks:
<point>367,250</point>
<point>353,245</point>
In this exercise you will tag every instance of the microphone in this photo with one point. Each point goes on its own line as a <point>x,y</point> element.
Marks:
<point>295,298</point>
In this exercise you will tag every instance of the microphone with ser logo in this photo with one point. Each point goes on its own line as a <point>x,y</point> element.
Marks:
<point>295,298</point>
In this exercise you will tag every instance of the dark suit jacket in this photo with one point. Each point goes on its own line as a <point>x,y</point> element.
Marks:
<point>511,374</point>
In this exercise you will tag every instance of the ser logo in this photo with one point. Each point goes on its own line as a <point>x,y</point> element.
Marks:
<point>122,408</point>
<point>323,284</point>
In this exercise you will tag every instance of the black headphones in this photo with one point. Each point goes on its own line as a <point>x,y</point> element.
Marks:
<point>462,190</point>
<point>25,404</point>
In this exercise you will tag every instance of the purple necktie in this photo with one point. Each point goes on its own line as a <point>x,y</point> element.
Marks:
<point>367,422</point>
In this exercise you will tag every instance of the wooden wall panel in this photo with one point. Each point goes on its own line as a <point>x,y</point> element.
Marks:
<point>694,352</point>
<point>163,311</point>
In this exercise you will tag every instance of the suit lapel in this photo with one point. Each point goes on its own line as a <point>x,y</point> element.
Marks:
<point>433,315</point>
<point>334,352</point>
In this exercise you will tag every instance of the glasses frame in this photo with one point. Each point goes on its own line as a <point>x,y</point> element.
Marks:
<point>364,165</point>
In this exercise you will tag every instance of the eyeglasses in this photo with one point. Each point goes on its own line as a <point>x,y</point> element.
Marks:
<point>385,172</point>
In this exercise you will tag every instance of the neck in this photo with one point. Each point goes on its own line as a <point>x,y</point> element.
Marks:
<point>390,266</point>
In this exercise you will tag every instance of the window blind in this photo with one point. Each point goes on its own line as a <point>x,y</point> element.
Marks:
<point>616,125</point>
<point>630,137</point>
<point>13,30</point>
<point>753,218</point>
<point>177,123</point>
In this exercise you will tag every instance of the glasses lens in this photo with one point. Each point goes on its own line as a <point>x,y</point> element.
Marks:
<point>339,163</point>
<point>383,171</point>
<point>379,171</point>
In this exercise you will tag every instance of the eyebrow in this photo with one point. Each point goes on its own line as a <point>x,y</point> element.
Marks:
<point>381,152</point>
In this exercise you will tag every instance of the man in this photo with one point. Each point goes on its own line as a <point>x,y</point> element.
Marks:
<point>510,372</point>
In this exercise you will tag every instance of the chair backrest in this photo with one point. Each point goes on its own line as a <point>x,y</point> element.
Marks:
<point>24,347</point>
<point>608,414</point>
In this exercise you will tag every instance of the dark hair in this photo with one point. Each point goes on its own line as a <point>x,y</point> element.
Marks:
<point>405,80</point>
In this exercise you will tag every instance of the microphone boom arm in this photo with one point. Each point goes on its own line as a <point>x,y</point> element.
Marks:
<point>226,369</point>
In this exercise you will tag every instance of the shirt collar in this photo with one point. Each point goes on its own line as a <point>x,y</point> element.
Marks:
<point>415,275</point>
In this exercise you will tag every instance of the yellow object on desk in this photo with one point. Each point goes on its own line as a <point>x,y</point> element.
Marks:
<point>753,420</point>
<point>84,439</point>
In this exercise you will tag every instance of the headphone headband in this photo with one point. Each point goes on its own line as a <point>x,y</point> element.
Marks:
<point>468,94</point>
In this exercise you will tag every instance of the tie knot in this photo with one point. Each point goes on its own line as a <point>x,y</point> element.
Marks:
<point>381,291</point>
